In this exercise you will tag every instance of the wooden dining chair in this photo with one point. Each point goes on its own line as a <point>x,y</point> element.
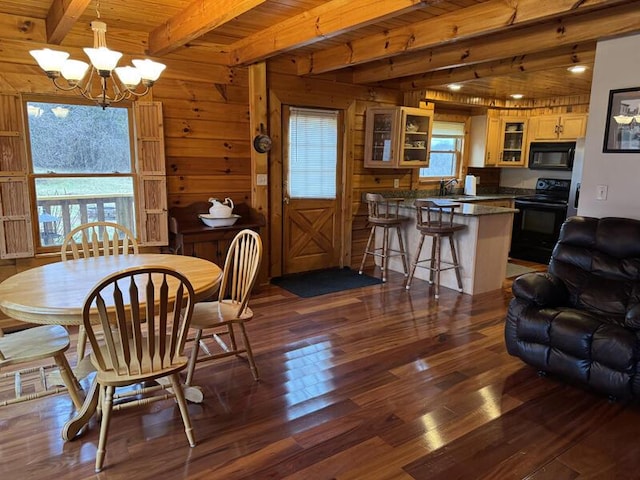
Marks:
<point>30,345</point>
<point>98,239</point>
<point>144,314</point>
<point>93,240</point>
<point>220,318</point>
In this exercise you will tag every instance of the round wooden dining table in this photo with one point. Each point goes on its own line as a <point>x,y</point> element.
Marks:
<point>54,294</point>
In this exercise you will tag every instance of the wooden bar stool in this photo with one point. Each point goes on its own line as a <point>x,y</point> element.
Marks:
<point>430,223</point>
<point>385,218</point>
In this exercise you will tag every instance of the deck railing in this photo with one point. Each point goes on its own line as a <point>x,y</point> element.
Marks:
<point>57,216</point>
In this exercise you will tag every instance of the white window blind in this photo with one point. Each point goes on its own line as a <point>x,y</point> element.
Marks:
<point>448,129</point>
<point>313,150</point>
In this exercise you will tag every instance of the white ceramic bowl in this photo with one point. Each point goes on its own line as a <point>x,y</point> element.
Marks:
<point>211,221</point>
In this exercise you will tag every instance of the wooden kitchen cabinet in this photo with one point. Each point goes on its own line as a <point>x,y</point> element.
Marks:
<point>567,126</point>
<point>485,141</point>
<point>513,142</point>
<point>397,137</point>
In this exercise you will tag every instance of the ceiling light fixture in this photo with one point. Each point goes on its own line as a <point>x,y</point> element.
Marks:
<point>517,96</point>
<point>577,69</point>
<point>454,87</point>
<point>123,84</point>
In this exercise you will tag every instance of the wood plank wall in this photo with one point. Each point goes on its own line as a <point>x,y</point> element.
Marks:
<point>336,92</point>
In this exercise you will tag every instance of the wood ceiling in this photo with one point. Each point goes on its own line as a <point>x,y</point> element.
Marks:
<point>493,48</point>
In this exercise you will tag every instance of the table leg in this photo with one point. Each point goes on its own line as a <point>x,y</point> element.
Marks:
<point>73,426</point>
<point>79,372</point>
<point>70,381</point>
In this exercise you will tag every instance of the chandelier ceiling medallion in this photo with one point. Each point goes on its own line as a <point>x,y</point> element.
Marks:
<point>108,88</point>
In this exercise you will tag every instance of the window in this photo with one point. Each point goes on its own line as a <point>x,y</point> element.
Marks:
<point>313,149</point>
<point>446,150</point>
<point>82,167</point>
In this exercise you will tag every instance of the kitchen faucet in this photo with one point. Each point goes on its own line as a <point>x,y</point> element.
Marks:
<point>447,187</point>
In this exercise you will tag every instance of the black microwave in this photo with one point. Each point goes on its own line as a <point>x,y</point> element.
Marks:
<point>551,155</point>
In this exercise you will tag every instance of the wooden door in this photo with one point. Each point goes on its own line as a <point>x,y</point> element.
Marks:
<point>312,186</point>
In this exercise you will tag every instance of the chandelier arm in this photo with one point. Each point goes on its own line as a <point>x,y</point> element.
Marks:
<point>139,94</point>
<point>67,88</point>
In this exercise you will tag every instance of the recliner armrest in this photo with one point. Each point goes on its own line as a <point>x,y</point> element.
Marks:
<point>542,289</point>
<point>632,317</point>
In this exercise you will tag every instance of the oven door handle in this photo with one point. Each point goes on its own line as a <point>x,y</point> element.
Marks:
<point>549,206</point>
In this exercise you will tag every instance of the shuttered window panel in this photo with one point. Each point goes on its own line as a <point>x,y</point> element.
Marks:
<point>150,166</point>
<point>16,233</point>
<point>313,149</point>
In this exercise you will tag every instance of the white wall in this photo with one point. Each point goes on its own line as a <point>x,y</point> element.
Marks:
<point>617,65</point>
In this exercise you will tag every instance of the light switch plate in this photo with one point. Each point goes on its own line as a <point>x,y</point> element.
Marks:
<point>601,192</point>
<point>261,179</point>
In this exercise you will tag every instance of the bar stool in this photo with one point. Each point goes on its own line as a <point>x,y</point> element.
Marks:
<point>385,218</point>
<point>430,223</point>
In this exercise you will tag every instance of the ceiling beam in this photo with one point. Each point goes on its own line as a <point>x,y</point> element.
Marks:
<point>317,24</point>
<point>565,57</point>
<point>553,34</point>
<point>198,18</point>
<point>482,19</point>
<point>62,16</point>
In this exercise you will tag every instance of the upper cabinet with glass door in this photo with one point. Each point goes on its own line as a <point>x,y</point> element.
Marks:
<point>513,142</point>
<point>397,137</point>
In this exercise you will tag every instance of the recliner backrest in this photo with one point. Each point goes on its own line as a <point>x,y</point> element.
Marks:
<point>598,259</point>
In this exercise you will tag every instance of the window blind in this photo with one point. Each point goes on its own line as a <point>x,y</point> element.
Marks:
<point>448,129</point>
<point>313,150</point>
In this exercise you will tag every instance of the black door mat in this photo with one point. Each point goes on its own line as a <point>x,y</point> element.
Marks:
<point>321,282</point>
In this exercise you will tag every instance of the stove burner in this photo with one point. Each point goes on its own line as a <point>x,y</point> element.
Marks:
<point>551,191</point>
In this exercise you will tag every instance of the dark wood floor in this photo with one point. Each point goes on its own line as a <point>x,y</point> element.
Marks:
<point>373,383</point>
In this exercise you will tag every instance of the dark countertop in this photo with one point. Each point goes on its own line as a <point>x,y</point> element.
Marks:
<point>458,194</point>
<point>467,208</point>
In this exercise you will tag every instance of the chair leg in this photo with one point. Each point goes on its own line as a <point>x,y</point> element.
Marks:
<point>414,263</point>
<point>193,358</point>
<point>385,251</point>
<point>438,241</point>
<point>107,406</point>
<point>366,250</point>
<point>82,343</point>
<point>184,410</point>
<point>403,253</point>
<point>456,267</point>
<point>432,261</point>
<point>232,337</point>
<point>247,346</point>
<point>69,379</point>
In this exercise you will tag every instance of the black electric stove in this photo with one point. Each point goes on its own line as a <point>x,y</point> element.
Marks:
<point>536,226</point>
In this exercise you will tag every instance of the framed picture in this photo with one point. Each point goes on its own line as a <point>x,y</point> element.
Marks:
<point>622,132</point>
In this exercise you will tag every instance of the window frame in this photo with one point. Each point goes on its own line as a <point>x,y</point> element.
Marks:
<point>16,213</point>
<point>134,174</point>
<point>461,141</point>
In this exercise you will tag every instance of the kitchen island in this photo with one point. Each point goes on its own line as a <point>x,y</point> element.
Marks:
<point>483,247</point>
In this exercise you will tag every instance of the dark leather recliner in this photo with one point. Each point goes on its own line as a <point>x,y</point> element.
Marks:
<point>581,319</point>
